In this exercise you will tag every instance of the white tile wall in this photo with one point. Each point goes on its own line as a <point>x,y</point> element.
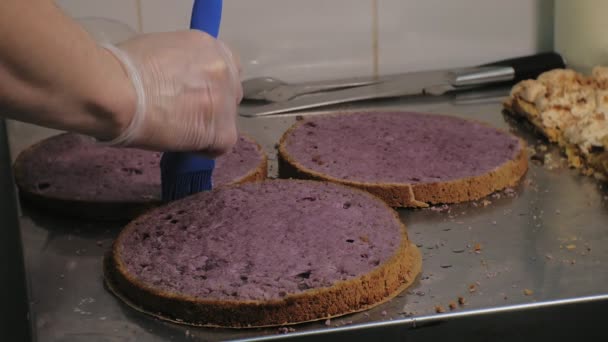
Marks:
<point>110,20</point>
<point>318,39</point>
<point>294,39</point>
<point>425,34</point>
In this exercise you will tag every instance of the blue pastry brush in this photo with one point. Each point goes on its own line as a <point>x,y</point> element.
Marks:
<point>183,174</point>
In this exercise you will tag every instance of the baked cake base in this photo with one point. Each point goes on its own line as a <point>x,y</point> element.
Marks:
<point>346,283</point>
<point>416,194</point>
<point>95,194</point>
<point>263,313</point>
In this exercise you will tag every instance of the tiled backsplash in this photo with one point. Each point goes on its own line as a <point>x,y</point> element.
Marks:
<point>318,39</point>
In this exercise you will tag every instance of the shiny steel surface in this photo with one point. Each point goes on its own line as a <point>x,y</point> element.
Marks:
<point>275,90</point>
<point>526,265</point>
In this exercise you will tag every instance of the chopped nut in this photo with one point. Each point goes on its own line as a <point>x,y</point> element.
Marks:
<point>328,322</point>
<point>477,248</point>
<point>528,292</point>
<point>461,300</point>
<point>439,309</point>
<point>452,306</point>
<point>472,288</point>
<point>486,202</point>
<point>571,247</point>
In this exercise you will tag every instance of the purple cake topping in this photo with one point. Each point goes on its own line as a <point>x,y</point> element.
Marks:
<point>260,240</point>
<point>71,166</point>
<point>399,147</point>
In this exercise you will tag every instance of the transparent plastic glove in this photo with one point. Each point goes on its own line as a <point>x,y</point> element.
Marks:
<point>188,89</point>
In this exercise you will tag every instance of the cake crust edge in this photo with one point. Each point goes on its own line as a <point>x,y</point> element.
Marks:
<point>419,195</point>
<point>106,210</point>
<point>361,293</point>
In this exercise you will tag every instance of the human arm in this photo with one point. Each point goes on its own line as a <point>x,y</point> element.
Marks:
<point>53,73</point>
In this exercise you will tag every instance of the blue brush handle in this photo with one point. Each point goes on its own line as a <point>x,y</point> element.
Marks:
<point>206,17</point>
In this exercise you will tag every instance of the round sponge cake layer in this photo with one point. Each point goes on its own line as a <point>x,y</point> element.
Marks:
<point>69,170</point>
<point>266,253</point>
<point>406,152</point>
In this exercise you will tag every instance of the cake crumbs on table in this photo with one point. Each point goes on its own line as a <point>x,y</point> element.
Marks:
<point>343,323</point>
<point>439,309</point>
<point>549,256</point>
<point>452,306</point>
<point>486,202</point>
<point>440,208</point>
<point>285,330</point>
<point>509,192</point>
<point>461,300</point>
<point>384,313</point>
<point>472,288</point>
<point>528,292</point>
<point>328,322</point>
<point>477,248</point>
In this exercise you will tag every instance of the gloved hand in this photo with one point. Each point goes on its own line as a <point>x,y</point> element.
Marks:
<point>188,90</point>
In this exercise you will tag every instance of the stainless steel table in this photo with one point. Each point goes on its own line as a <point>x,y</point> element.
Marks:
<point>529,264</point>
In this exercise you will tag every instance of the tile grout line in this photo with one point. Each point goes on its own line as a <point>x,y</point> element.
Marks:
<point>375,50</point>
<point>140,24</point>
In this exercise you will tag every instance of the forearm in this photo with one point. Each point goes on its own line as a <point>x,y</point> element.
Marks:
<point>53,73</point>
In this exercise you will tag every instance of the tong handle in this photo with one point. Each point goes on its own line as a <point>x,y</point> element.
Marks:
<point>529,67</point>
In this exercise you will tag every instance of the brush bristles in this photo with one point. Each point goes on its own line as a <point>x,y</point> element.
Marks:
<point>186,184</point>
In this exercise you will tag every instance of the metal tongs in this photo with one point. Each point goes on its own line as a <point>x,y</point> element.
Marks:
<point>433,83</point>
